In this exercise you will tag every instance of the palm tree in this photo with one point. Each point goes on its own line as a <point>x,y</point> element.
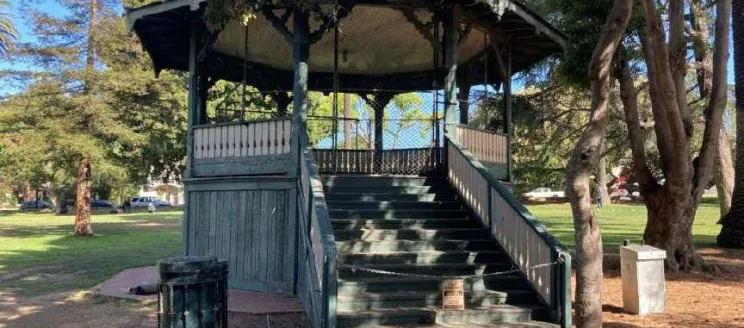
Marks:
<point>8,33</point>
<point>732,230</point>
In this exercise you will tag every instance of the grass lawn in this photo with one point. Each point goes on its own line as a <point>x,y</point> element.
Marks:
<point>619,222</point>
<point>39,254</point>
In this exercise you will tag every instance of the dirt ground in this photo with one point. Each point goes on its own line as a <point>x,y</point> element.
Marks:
<point>693,300</point>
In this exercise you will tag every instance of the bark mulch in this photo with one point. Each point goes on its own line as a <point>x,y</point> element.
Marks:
<point>703,299</point>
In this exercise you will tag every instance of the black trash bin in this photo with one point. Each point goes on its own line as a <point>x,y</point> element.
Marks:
<point>192,292</point>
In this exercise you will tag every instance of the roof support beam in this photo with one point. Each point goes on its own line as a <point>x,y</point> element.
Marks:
<point>280,23</point>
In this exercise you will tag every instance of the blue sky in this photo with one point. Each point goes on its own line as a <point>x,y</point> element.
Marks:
<point>53,7</point>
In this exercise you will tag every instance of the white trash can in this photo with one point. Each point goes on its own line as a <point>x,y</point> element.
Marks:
<point>642,270</point>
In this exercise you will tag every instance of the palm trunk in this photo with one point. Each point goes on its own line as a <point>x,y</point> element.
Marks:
<point>583,162</point>
<point>732,229</point>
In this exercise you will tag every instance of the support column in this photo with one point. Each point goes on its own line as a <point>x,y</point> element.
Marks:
<point>464,102</point>
<point>508,108</point>
<point>203,93</point>
<point>299,116</point>
<point>193,100</point>
<point>380,101</point>
<point>450,63</point>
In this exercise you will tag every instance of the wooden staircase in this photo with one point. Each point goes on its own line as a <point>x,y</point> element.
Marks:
<point>413,226</point>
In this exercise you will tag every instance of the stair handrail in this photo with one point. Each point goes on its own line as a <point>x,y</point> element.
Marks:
<point>561,273</point>
<point>317,241</point>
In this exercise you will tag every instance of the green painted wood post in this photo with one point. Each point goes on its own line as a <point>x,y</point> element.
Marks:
<point>301,55</point>
<point>508,110</point>
<point>450,62</point>
<point>193,86</point>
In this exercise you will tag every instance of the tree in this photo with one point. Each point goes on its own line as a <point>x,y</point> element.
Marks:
<point>672,205</point>
<point>732,225</point>
<point>583,162</point>
<point>8,33</point>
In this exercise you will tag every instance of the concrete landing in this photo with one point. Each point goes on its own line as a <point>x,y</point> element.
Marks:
<point>245,309</point>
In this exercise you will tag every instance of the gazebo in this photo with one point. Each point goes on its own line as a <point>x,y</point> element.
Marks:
<point>262,155</point>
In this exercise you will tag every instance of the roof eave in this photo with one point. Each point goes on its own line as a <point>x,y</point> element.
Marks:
<point>133,15</point>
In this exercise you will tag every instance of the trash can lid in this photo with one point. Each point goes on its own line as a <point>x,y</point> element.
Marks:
<point>643,252</point>
<point>187,264</point>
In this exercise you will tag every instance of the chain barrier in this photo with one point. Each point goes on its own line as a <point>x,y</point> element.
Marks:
<point>354,268</point>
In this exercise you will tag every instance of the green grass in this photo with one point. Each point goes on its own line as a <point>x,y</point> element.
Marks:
<point>620,222</point>
<point>39,254</point>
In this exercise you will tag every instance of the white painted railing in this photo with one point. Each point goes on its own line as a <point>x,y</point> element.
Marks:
<point>487,146</point>
<point>247,139</point>
<point>525,240</point>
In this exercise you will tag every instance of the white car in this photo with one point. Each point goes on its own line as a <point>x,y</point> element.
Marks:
<point>143,201</point>
<point>543,193</point>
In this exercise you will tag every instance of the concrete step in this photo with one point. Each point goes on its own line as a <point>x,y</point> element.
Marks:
<point>493,314</point>
<point>431,299</point>
<point>336,213</point>
<point>382,181</point>
<point>416,246</point>
<point>410,234</point>
<point>352,286</point>
<point>395,205</point>
<point>392,196</point>
<point>386,224</point>
<point>434,270</point>
<point>432,257</point>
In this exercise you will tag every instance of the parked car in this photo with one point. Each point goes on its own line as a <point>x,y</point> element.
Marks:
<point>543,193</point>
<point>143,201</point>
<point>94,203</point>
<point>35,205</point>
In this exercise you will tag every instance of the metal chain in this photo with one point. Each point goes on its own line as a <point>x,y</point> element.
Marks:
<point>354,268</point>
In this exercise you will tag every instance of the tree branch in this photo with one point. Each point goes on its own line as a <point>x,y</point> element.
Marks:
<point>714,112</point>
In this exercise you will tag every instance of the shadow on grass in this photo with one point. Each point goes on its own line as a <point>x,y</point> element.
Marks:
<point>49,258</point>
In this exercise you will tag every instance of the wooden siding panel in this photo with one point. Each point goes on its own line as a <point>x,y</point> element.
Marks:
<point>250,227</point>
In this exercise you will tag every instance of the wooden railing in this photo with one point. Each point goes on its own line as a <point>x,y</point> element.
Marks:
<point>247,148</point>
<point>487,146</point>
<point>317,272</point>
<point>525,240</point>
<point>414,161</point>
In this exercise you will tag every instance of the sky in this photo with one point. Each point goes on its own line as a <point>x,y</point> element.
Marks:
<point>51,6</point>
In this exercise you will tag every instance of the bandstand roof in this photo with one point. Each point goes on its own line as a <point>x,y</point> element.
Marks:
<point>383,44</point>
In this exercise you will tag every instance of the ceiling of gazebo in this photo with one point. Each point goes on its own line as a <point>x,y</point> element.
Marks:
<point>379,46</point>
<point>372,41</point>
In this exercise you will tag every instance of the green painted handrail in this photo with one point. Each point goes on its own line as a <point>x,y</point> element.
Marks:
<point>561,274</point>
<point>322,217</point>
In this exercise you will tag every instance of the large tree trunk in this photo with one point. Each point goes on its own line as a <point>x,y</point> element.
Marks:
<point>82,200</point>
<point>723,175</point>
<point>672,207</point>
<point>732,230</point>
<point>602,179</point>
<point>82,197</point>
<point>582,164</point>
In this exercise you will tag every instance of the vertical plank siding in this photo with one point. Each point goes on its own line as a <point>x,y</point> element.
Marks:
<point>487,146</point>
<point>246,139</point>
<point>248,223</point>
<point>525,240</point>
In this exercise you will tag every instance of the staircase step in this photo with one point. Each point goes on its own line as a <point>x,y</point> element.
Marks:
<point>423,257</point>
<point>382,181</point>
<point>410,234</point>
<point>416,246</point>
<point>436,223</point>
<point>434,270</point>
<point>401,190</point>
<point>531,324</point>
<point>394,205</point>
<point>383,285</point>
<point>395,214</point>
<point>431,299</point>
<point>493,314</point>
<point>392,196</point>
